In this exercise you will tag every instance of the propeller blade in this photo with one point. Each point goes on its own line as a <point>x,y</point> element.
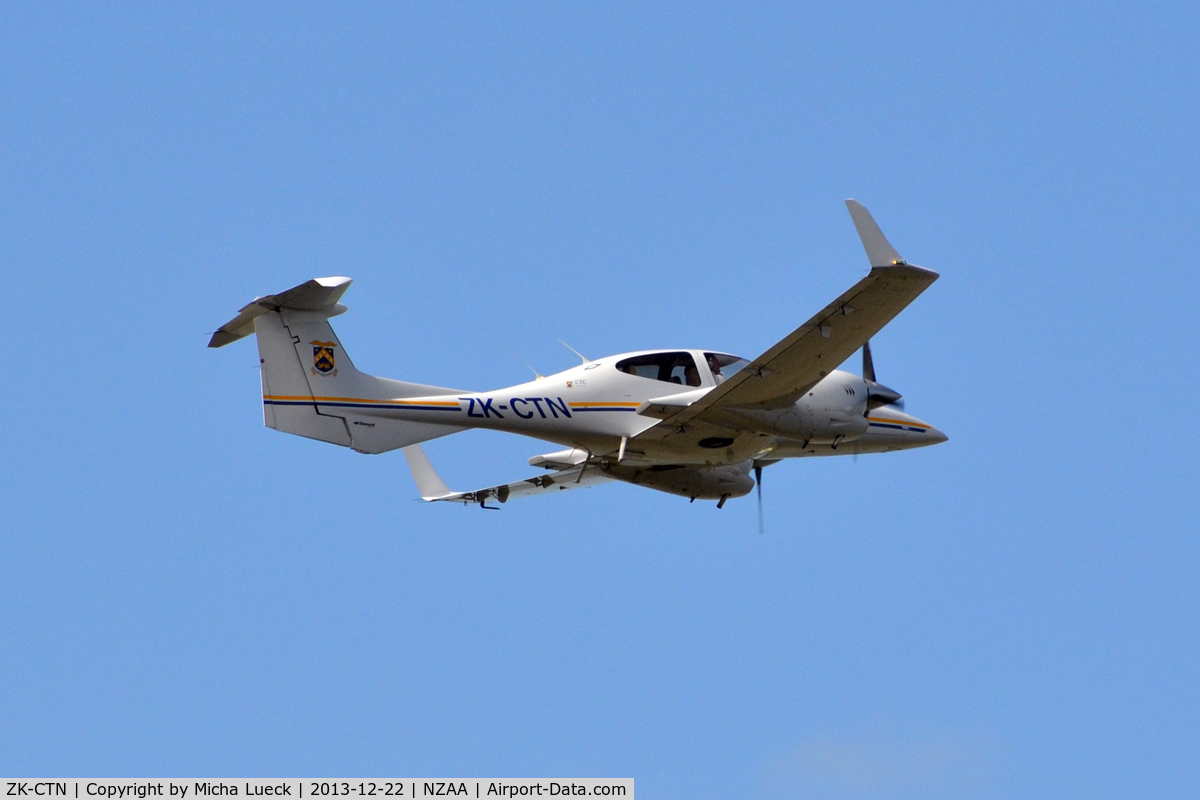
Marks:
<point>877,394</point>
<point>758,488</point>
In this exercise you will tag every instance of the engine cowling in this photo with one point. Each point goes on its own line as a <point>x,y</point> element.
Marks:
<point>702,483</point>
<point>832,411</point>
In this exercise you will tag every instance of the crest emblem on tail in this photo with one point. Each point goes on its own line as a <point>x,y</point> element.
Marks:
<point>323,357</point>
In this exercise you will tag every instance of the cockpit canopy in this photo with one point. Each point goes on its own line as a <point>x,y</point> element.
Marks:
<point>681,367</point>
<point>723,365</point>
<point>678,367</point>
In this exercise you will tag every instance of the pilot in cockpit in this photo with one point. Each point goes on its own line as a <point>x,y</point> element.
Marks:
<point>715,368</point>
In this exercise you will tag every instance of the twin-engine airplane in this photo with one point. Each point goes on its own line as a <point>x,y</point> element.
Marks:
<point>689,422</point>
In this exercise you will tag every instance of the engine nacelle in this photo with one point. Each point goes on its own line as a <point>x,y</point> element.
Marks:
<point>832,411</point>
<point>702,483</point>
<point>560,459</point>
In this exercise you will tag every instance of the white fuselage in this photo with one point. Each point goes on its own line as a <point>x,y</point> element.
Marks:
<point>593,406</point>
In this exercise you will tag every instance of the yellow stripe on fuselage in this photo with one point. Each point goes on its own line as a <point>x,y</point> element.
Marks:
<point>360,400</point>
<point>605,405</point>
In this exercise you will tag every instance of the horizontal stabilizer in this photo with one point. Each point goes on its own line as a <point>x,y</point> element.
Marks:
<point>432,487</point>
<point>319,294</point>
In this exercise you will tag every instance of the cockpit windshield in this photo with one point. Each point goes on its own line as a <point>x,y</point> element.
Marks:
<point>723,365</point>
<point>667,367</point>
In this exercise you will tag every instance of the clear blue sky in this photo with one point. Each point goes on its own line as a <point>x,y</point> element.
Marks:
<point>183,592</point>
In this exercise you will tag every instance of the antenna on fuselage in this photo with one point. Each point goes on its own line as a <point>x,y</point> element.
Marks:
<point>586,360</point>
<point>531,369</point>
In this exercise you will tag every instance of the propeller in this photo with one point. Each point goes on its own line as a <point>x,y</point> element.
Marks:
<point>877,394</point>
<point>758,488</point>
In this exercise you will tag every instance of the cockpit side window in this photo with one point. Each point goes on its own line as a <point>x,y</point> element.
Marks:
<point>723,365</point>
<point>677,368</point>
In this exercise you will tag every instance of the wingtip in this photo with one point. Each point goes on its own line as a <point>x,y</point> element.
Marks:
<point>879,250</point>
<point>429,483</point>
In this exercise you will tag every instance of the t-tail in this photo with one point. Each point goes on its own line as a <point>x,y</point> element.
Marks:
<point>310,386</point>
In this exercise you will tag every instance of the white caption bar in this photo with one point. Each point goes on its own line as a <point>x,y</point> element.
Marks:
<point>406,788</point>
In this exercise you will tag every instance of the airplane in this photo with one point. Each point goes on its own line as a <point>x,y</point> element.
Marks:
<point>694,423</point>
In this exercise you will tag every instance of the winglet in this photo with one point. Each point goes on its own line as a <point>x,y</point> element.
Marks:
<point>879,250</point>
<point>429,483</point>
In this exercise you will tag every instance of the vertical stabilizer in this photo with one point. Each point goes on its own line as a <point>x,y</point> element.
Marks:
<point>311,387</point>
<point>288,401</point>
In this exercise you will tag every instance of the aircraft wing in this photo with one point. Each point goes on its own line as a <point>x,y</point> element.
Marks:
<point>432,488</point>
<point>782,374</point>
